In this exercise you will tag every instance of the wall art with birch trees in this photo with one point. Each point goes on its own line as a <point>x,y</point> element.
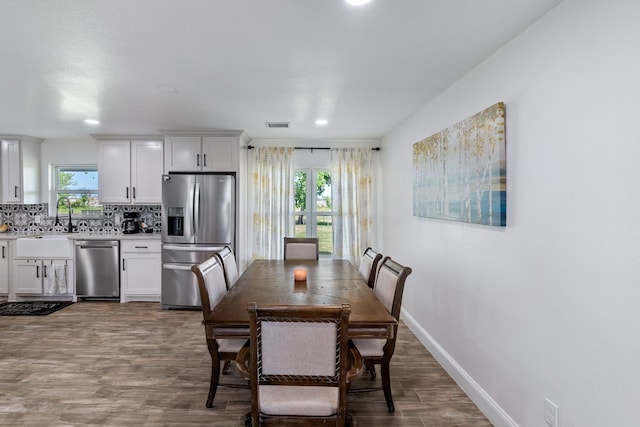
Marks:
<point>460,173</point>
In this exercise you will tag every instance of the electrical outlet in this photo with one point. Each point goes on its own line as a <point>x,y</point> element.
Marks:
<point>37,219</point>
<point>550,413</point>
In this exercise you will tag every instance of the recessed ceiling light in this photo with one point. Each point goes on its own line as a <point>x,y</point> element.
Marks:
<point>91,121</point>
<point>357,2</point>
<point>167,88</point>
<point>322,122</point>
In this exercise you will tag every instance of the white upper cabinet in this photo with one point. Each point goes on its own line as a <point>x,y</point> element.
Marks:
<point>20,172</point>
<point>182,153</point>
<point>220,153</point>
<point>114,178</point>
<point>146,171</point>
<point>202,153</point>
<point>130,171</point>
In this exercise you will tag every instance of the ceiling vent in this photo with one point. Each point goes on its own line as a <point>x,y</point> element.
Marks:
<point>281,125</point>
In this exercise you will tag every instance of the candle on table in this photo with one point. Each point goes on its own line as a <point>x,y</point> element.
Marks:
<point>300,274</point>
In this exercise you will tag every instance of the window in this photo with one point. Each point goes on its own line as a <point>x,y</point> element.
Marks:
<point>79,184</point>
<point>313,208</point>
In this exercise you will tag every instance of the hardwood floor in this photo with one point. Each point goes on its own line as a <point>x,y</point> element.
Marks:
<point>111,364</point>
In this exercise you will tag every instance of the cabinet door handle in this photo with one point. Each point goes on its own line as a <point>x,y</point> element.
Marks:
<point>134,192</point>
<point>141,247</point>
<point>127,192</point>
<point>44,271</point>
<point>197,159</point>
<point>123,265</point>
<point>204,160</point>
<point>15,191</point>
<point>3,254</point>
<point>37,271</point>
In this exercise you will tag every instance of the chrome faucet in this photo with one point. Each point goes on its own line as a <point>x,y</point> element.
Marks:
<point>70,226</point>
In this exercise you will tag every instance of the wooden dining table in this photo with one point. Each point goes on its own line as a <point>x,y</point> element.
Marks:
<point>329,282</point>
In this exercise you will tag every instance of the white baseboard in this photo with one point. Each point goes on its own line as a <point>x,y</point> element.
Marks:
<point>477,394</point>
<point>139,298</point>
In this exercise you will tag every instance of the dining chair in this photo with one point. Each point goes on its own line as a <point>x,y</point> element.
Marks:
<point>301,248</point>
<point>299,364</point>
<point>389,286</point>
<point>368,265</point>
<point>212,287</point>
<point>229,265</point>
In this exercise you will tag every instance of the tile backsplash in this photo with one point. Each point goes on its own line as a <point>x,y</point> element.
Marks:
<point>21,218</point>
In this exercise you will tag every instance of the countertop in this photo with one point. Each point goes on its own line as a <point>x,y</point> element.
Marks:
<point>12,235</point>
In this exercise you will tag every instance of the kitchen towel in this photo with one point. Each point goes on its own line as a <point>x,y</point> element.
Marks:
<point>57,285</point>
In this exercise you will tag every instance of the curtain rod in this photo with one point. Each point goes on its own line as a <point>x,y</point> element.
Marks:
<point>251,147</point>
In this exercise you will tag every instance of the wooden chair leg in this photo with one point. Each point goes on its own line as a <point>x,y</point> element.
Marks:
<point>215,371</point>
<point>386,384</point>
<point>225,367</point>
<point>348,422</point>
<point>371,368</point>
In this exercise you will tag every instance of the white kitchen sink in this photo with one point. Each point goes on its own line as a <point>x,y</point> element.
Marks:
<point>45,246</point>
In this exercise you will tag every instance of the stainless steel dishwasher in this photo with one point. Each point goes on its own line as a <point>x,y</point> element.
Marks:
<point>98,269</point>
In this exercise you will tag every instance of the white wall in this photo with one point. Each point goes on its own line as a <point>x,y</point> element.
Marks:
<point>548,306</point>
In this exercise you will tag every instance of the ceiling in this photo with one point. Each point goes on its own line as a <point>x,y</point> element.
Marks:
<point>236,64</point>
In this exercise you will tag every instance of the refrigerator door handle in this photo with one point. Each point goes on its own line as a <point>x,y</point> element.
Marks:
<point>188,248</point>
<point>174,266</point>
<point>190,207</point>
<point>196,209</point>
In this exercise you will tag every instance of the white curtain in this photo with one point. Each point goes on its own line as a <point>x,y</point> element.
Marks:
<point>273,172</point>
<point>352,197</point>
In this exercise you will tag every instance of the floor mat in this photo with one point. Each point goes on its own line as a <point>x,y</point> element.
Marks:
<point>32,308</point>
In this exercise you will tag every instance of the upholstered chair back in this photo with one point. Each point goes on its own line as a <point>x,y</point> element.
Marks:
<point>213,287</point>
<point>211,283</point>
<point>301,248</point>
<point>389,287</point>
<point>368,266</point>
<point>228,261</point>
<point>299,361</point>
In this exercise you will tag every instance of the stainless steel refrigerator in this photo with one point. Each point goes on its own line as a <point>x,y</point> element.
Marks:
<point>198,219</point>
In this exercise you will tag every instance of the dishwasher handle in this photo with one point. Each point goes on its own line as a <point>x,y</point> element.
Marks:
<point>97,244</point>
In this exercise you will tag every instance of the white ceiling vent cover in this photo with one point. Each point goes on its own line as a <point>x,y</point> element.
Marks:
<point>282,125</point>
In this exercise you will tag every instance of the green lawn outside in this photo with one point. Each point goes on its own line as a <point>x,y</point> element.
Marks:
<point>325,236</point>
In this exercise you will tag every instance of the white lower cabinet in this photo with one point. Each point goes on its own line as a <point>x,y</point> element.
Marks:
<point>47,277</point>
<point>4,268</point>
<point>141,270</point>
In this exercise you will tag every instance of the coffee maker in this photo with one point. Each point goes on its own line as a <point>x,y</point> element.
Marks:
<point>131,223</point>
